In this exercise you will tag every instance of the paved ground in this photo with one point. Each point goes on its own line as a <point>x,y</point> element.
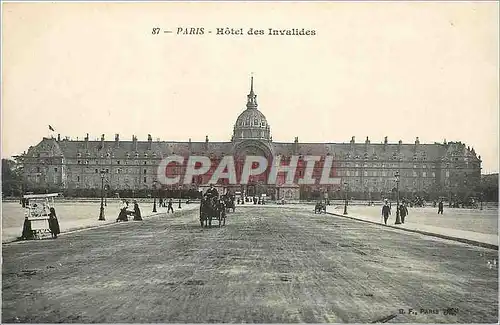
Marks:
<point>267,265</point>
<point>468,226</point>
<point>481,221</point>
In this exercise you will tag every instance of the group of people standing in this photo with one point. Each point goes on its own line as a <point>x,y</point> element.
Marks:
<point>403,210</point>
<point>386,211</point>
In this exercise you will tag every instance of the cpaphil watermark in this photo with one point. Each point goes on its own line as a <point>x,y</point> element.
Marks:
<point>302,170</point>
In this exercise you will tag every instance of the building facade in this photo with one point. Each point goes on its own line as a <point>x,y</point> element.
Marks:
<point>365,170</point>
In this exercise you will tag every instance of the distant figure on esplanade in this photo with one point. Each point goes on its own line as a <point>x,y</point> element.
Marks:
<point>386,211</point>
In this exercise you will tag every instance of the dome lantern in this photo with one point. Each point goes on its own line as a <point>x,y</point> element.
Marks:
<point>251,123</point>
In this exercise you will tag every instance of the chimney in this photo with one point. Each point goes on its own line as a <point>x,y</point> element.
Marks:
<point>296,145</point>
<point>102,141</point>
<point>206,142</point>
<point>417,141</point>
<point>86,141</point>
<point>134,142</point>
<point>353,140</point>
<point>58,137</point>
<point>399,145</point>
<point>189,144</point>
<point>385,140</point>
<point>150,142</point>
<point>117,140</point>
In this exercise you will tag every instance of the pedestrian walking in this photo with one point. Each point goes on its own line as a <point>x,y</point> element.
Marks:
<point>440,207</point>
<point>170,206</point>
<point>403,212</point>
<point>386,212</point>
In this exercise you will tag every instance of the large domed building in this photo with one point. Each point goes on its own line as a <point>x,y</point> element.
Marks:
<point>366,170</point>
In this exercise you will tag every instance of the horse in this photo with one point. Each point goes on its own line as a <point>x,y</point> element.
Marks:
<point>209,209</point>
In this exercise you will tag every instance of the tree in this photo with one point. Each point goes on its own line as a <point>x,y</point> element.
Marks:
<point>489,187</point>
<point>11,178</point>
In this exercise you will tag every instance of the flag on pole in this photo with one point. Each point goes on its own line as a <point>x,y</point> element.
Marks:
<point>51,128</point>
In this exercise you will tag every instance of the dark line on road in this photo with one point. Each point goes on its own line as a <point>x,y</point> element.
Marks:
<point>384,319</point>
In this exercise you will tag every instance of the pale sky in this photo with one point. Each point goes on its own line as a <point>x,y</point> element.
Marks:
<point>399,70</point>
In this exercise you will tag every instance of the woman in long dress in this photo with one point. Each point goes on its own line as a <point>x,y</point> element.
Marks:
<point>137,212</point>
<point>27,231</point>
<point>53,223</point>
<point>122,216</point>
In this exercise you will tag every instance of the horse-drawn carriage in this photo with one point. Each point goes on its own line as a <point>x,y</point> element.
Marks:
<point>320,207</point>
<point>212,207</point>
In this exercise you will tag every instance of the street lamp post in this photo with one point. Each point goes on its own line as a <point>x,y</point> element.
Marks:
<point>101,214</point>
<point>398,220</point>
<point>345,203</point>
<point>180,197</point>
<point>106,189</point>
<point>154,196</point>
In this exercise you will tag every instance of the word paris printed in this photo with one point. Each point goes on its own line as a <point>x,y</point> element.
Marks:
<point>275,170</point>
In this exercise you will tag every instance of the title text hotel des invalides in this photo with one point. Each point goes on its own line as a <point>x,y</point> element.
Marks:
<point>366,170</point>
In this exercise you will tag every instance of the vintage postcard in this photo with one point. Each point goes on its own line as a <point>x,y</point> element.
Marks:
<point>250,162</point>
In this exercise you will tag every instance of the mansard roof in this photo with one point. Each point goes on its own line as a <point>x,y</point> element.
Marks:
<point>159,149</point>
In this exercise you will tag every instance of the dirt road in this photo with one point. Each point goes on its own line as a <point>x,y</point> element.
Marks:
<point>267,265</point>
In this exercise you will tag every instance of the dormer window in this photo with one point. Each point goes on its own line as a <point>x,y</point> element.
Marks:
<point>145,155</point>
<point>136,155</point>
<point>79,155</point>
<point>108,155</point>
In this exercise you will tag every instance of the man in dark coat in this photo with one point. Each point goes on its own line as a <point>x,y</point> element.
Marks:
<point>440,207</point>
<point>170,206</point>
<point>137,212</point>
<point>53,223</point>
<point>212,191</point>
<point>403,212</point>
<point>386,212</point>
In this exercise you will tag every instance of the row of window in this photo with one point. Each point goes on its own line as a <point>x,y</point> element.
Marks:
<point>109,155</point>
<point>385,174</point>
<point>144,179</point>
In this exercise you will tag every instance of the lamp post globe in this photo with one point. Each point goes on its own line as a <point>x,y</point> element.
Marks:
<point>101,214</point>
<point>398,219</point>
<point>154,196</point>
